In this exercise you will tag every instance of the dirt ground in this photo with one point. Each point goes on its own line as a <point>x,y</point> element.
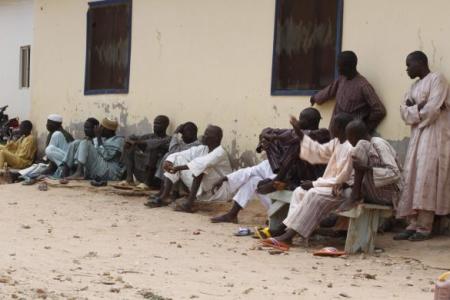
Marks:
<point>78,243</point>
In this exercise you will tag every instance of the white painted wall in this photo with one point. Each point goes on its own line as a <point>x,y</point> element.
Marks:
<point>16,30</point>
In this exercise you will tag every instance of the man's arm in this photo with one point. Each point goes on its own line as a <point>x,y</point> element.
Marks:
<point>433,105</point>
<point>326,94</point>
<point>377,110</point>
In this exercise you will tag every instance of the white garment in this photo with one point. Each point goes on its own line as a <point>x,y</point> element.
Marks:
<point>214,165</point>
<point>308,208</point>
<point>243,183</point>
<point>57,148</point>
<point>55,118</point>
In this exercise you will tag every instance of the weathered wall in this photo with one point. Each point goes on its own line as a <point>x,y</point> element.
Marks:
<point>16,30</point>
<point>210,61</point>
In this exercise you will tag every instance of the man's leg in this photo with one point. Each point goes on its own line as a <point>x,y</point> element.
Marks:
<point>85,158</point>
<point>11,160</point>
<point>128,160</point>
<point>55,154</point>
<point>421,225</point>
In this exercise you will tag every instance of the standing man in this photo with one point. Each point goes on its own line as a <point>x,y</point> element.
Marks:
<point>427,166</point>
<point>354,94</point>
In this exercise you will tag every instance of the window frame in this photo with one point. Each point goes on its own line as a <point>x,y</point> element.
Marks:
<point>303,92</point>
<point>124,90</point>
<point>24,84</point>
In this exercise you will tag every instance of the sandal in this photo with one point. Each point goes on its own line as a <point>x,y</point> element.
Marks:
<point>155,202</point>
<point>329,251</point>
<point>262,233</point>
<point>419,236</point>
<point>274,243</point>
<point>404,235</point>
<point>142,187</point>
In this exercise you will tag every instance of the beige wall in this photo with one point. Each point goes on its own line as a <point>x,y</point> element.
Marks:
<point>210,61</point>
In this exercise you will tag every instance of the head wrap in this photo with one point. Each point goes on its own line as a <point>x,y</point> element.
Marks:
<point>55,118</point>
<point>109,124</point>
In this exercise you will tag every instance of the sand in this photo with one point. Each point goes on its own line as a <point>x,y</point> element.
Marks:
<point>76,243</point>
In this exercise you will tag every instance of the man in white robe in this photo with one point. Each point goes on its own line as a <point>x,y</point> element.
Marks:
<point>198,168</point>
<point>258,181</point>
<point>58,141</point>
<point>313,201</point>
<point>427,165</point>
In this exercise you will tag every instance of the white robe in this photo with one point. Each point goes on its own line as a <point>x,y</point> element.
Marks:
<point>214,165</point>
<point>308,208</point>
<point>427,164</point>
<point>244,182</point>
<point>57,148</point>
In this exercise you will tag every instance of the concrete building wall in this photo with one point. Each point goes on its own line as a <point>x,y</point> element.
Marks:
<point>210,61</point>
<point>16,30</point>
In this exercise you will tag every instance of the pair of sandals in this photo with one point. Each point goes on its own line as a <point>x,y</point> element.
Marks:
<point>412,235</point>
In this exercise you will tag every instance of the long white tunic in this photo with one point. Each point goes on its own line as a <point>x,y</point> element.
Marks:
<point>427,164</point>
<point>214,165</point>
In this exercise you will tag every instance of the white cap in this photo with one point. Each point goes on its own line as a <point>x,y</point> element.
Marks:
<point>55,118</point>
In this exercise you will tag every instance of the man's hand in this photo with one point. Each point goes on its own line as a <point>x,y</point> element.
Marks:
<point>296,125</point>
<point>216,186</point>
<point>312,100</point>
<point>421,105</point>
<point>168,166</point>
<point>410,102</point>
<point>179,129</point>
<point>306,185</point>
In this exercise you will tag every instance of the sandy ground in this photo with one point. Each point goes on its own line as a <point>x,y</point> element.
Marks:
<point>75,243</point>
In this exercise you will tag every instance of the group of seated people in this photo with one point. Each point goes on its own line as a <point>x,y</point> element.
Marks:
<point>327,169</point>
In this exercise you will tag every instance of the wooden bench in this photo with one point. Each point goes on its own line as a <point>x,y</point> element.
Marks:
<point>362,228</point>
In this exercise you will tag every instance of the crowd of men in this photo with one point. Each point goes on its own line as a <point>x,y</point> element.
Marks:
<point>327,169</point>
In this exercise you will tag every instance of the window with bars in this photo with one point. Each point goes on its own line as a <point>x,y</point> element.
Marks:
<point>108,47</point>
<point>24,73</point>
<point>306,44</point>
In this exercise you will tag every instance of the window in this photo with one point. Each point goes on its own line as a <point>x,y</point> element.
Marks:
<point>108,47</point>
<point>306,44</point>
<point>24,73</point>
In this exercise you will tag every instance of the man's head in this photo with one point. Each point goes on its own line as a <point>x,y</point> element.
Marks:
<point>189,132</point>
<point>108,127</point>
<point>160,125</point>
<point>89,126</point>
<point>347,62</point>
<point>25,127</point>
<point>416,64</point>
<point>355,131</point>
<point>212,136</point>
<point>309,119</point>
<point>54,122</point>
<point>340,122</point>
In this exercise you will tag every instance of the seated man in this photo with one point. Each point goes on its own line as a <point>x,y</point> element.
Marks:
<point>143,153</point>
<point>100,162</point>
<point>198,168</point>
<point>251,182</point>
<point>188,139</point>
<point>376,171</point>
<point>89,131</point>
<point>19,154</point>
<point>313,201</point>
<point>58,141</point>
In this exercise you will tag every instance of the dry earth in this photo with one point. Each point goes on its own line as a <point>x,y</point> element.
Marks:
<point>76,243</point>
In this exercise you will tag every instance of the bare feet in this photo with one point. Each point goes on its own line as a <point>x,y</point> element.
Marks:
<point>226,218</point>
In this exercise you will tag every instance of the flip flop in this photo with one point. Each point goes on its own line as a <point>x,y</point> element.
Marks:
<point>262,233</point>
<point>243,231</point>
<point>274,243</point>
<point>329,251</point>
<point>142,187</point>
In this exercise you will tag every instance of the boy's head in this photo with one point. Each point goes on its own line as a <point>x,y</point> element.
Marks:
<point>340,122</point>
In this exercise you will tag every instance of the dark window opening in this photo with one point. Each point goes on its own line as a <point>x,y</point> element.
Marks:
<point>108,47</point>
<point>307,42</point>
